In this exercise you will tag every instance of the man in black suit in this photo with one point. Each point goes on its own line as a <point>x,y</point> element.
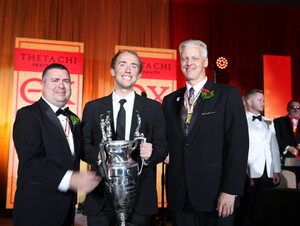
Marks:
<point>287,131</point>
<point>207,143</point>
<point>126,67</point>
<point>49,149</point>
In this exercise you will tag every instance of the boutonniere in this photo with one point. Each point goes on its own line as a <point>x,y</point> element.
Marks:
<point>268,122</point>
<point>74,119</point>
<point>206,94</point>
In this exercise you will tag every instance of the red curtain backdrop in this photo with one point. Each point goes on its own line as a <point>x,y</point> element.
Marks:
<point>274,68</point>
<point>99,24</point>
<point>240,31</point>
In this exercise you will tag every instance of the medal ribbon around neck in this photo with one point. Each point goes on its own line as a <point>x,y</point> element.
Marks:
<point>190,107</point>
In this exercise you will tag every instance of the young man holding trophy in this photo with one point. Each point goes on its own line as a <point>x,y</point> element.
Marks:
<point>118,117</point>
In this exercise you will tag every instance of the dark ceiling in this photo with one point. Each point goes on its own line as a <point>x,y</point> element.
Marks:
<point>289,3</point>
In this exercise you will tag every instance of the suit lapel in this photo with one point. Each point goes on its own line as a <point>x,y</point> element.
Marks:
<point>298,132</point>
<point>51,115</point>
<point>76,134</point>
<point>199,105</point>
<point>138,106</point>
<point>179,105</point>
<point>260,141</point>
<point>107,107</point>
<point>289,127</point>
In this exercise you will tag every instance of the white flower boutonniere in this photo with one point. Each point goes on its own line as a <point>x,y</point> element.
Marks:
<point>268,122</point>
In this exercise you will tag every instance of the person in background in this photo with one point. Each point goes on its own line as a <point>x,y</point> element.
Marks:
<point>47,139</point>
<point>126,68</point>
<point>287,131</point>
<point>264,165</point>
<point>207,143</point>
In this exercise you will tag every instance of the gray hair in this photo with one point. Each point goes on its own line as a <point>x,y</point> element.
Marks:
<point>194,42</point>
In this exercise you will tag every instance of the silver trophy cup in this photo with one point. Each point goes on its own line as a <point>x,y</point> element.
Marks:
<point>119,170</point>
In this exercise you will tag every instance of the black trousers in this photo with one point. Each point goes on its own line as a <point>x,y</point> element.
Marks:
<point>252,194</point>
<point>108,218</point>
<point>201,219</point>
<point>189,217</point>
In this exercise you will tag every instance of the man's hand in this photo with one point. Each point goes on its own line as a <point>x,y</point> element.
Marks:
<point>167,159</point>
<point>84,182</point>
<point>293,150</point>
<point>225,204</point>
<point>145,150</point>
<point>276,178</point>
<point>252,183</point>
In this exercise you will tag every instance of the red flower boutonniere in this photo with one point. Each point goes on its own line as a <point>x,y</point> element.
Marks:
<point>74,119</point>
<point>206,94</point>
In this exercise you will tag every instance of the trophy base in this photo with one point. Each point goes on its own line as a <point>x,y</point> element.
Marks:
<point>122,223</point>
<point>121,220</point>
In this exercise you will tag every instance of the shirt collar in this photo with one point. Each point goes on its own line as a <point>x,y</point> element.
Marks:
<point>52,106</point>
<point>129,98</point>
<point>249,115</point>
<point>198,86</point>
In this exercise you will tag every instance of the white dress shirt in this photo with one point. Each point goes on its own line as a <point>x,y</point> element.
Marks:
<point>64,184</point>
<point>128,106</point>
<point>197,87</point>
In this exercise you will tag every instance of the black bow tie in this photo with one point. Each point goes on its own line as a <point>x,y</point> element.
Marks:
<point>64,112</point>
<point>256,117</point>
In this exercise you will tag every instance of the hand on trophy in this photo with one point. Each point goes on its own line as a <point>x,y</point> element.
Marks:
<point>84,182</point>
<point>167,159</point>
<point>99,158</point>
<point>145,150</point>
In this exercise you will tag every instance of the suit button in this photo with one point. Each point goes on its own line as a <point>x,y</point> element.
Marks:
<point>186,145</point>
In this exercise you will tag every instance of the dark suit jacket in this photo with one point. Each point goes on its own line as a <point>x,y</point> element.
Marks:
<point>212,158</point>
<point>153,127</point>
<point>44,158</point>
<point>285,135</point>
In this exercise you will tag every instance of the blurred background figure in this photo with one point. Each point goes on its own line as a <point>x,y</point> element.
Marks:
<point>264,165</point>
<point>287,131</point>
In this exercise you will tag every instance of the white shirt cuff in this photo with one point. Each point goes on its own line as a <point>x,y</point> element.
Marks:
<point>65,182</point>
<point>286,150</point>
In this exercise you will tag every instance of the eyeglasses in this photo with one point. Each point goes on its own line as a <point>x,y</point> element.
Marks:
<point>294,107</point>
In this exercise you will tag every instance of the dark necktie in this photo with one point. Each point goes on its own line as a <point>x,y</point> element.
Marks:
<point>121,121</point>
<point>187,114</point>
<point>256,117</point>
<point>191,96</point>
<point>64,112</point>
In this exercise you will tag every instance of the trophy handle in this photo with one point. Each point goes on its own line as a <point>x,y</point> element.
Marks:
<point>135,141</point>
<point>103,160</point>
<point>135,146</point>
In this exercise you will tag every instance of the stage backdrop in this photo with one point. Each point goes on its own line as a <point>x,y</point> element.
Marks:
<point>277,84</point>
<point>31,57</point>
<point>158,79</point>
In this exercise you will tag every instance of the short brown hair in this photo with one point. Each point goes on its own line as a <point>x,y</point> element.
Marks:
<point>114,59</point>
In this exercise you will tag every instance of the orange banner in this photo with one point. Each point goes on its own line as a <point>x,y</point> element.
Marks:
<point>31,57</point>
<point>36,60</point>
<point>277,78</point>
